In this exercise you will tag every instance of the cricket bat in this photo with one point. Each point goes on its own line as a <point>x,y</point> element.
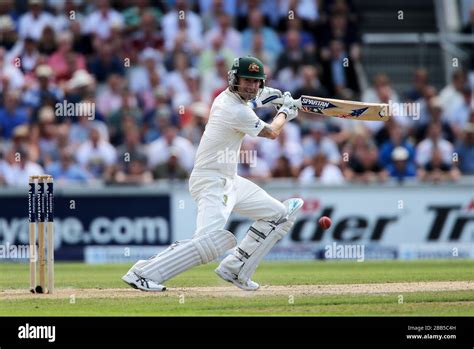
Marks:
<point>341,108</point>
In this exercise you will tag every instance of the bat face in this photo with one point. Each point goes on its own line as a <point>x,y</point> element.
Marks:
<point>344,109</point>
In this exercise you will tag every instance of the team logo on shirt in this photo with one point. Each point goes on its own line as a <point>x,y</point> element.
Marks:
<point>253,67</point>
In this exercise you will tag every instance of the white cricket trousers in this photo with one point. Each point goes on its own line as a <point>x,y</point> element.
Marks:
<point>217,196</point>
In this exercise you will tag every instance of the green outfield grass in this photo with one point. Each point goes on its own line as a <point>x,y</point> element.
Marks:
<point>102,277</point>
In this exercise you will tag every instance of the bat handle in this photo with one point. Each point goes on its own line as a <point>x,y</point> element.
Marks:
<point>297,102</point>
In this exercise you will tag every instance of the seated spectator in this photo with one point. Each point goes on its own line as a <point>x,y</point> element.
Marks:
<point>321,171</point>
<point>271,150</point>
<point>258,50</point>
<point>110,99</point>
<point>341,29</point>
<point>318,142</point>
<point>11,76</point>
<point>437,169</point>
<point>133,15</point>
<point>11,114</point>
<point>451,96</point>
<point>194,129</point>
<point>397,139</point>
<point>435,112</point>
<point>105,63</point>
<point>132,148</point>
<point>185,32</point>
<point>8,35</point>
<point>364,165</point>
<point>401,168</point>
<point>293,54</point>
<point>27,52</point>
<point>45,135</point>
<point>170,169</point>
<point>135,173</point>
<point>65,61</point>
<point>250,165</point>
<point>270,40</point>
<point>148,35</point>
<point>339,77</point>
<point>465,149</point>
<point>310,85</point>
<point>425,148</point>
<point>232,37</point>
<point>45,92</point>
<point>208,56</point>
<point>282,168</point>
<point>101,21</point>
<point>96,155</point>
<point>215,80</point>
<point>18,167</point>
<point>420,82</point>
<point>459,118</point>
<point>159,150</point>
<point>32,23</point>
<point>65,171</point>
<point>47,42</point>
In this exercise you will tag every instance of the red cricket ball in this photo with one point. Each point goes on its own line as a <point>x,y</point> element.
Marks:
<point>325,222</point>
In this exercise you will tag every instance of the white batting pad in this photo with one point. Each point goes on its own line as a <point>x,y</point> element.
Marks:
<point>261,237</point>
<point>186,254</point>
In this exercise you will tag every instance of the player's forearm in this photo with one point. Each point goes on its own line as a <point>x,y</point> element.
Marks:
<point>278,122</point>
<point>273,130</point>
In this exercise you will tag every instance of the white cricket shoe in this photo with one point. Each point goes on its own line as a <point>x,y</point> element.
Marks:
<point>142,283</point>
<point>229,277</point>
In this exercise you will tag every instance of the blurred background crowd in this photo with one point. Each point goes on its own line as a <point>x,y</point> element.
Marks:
<point>153,68</point>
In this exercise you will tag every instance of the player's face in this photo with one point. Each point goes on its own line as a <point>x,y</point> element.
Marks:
<point>248,88</point>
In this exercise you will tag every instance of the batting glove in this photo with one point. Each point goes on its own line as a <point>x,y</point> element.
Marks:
<point>266,97</point>
<point>288,108</point>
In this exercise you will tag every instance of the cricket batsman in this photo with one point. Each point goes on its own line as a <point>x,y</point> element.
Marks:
<point>218,189</point>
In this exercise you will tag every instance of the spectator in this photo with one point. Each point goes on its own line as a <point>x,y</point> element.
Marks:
<point>282,168</point>
<point>321,170</point>
<point>451,96</point>
<point>271,151</point>
<point>65,171</point>
<point>186,32</point>
<point>223,28</point>
<point>420,80</point>
<point>96,155</point>
<point>340,76</point>
<point>133,15</point>
<point>27,52</point>
<point>293,55</point>
<point>465,148</point>
<point>176,83</point>
<point>194,129</point>
<point>425,148</point>
<point>270,40</point>
<point>149,74</point>
<point>65,61</point>
<point>18,167</point>
<point>105,63</point>
<point>44,92</point>
<point>132,148</point>
<point>101,21</point>
<point>435,112</point>
<point>217,49</point>
<point>159,150</point>
<point>214,81</point>
<point>47,42</point>
<point>11,114</point>
<point>32,23</point>
<point>147,36</point>
<point>459,118</point>
<point>364,165</point>
<point>250,165</point>
<point>171,169</point>
<point>318,142</point>
<point>438,170</point>
<point>8,35</point>
<point>10,76</point>
<point>110,99</point>
<point>136,173</point>
<point>397,140</point>
<point>258,50</point>
<point>311,85</point>
<point>401,168</point>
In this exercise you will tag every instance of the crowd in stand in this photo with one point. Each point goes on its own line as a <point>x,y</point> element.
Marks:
<point>151,69</point>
